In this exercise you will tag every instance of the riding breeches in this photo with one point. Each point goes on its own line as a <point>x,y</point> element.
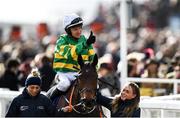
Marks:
<point>64,80</point>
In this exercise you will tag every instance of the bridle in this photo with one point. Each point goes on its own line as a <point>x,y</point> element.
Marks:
<point>79,105</point>
<point>82,103</point>
<point>84,106</point>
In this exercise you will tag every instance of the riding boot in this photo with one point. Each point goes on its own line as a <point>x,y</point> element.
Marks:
<point>55,94</point>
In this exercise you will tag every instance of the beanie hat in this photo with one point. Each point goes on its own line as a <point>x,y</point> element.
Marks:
<point>33,79</point>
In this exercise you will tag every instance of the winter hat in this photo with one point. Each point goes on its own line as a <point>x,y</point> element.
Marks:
<point>33,78</point>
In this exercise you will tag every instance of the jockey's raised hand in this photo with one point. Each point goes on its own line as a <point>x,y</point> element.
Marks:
<point>91,39</point>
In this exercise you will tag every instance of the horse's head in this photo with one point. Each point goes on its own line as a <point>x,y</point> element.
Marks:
<point>87,82</point>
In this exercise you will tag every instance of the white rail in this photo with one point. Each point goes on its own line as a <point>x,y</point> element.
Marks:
<point>6,97</point>
<point>171,97</point>
<point>175,82</point>
<point>160,107</point>
<point>165,106</point>
<point>150,105</point>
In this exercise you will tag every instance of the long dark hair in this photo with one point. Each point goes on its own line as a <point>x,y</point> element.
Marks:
<point>134,105</point>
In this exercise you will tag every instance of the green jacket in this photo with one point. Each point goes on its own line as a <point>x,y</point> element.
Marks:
<point>67,50</point>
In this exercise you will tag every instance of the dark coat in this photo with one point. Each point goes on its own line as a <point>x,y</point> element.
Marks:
<point>106,102</point>
<point>47,76</point>
<point>10,80</point>
<point>25,105</point>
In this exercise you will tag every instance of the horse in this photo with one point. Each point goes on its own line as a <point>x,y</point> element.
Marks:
<point>81,96</point>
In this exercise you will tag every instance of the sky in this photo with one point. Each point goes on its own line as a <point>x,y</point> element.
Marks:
<point>51,11</point>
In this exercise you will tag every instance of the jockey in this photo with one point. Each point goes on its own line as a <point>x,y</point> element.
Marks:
<point>67,49</point>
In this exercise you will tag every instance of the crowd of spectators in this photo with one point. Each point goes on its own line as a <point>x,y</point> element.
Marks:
<point>153,46</point>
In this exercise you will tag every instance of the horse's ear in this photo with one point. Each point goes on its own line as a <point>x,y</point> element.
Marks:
<point>80,61</point>
<point>95,60</point>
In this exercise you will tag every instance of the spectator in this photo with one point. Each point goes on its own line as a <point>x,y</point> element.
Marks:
<point>31,103</point>
<point>125,104</point>
<point>132,68</point>
<point>174,73</point>
<point>47,73</point>
<point>151,71</point>
<point>10,79</point>
<point>24,71</point>
<point>104,82</point>
<point>107,83</point>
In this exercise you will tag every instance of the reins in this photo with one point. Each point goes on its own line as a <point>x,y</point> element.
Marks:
<point>72,107</point>
<point>70,100</point>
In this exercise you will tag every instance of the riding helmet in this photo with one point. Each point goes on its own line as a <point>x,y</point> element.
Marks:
<point>71,20</point>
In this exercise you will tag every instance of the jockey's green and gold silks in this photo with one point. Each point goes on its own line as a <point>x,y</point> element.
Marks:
<point>66,52</point>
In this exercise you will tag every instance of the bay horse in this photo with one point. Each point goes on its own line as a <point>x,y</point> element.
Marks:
<point>81,96</point>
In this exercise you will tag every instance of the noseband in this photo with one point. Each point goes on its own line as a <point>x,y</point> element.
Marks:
<point>83,103</point>
<point>87,105</point>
